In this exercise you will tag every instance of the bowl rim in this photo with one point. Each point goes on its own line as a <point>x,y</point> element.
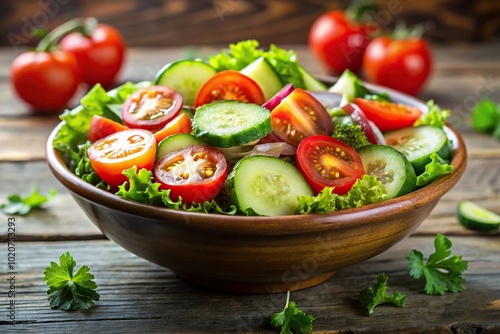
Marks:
<point>264,225</point>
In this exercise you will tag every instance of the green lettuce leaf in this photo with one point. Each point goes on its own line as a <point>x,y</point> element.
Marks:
<point>435,116</point>
<point>433,170</point>
<point>243,53</point>
<point>376,295</point>
<point>366,190</point>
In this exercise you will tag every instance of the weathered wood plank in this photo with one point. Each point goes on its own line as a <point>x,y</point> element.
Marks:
<point>136,294</point>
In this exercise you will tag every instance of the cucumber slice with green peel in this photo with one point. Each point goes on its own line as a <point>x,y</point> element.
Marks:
<point>418,143</point>
<point>185,77</point>
<point>475,217</point>
<point>390,167</point>
<point>231,123</point>
<point>263,73</point>
<point>312,84</point>
<point>266,185</point>
<point>174,143</point>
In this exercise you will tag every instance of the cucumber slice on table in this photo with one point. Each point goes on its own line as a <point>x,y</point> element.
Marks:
<point>231,123</point>
<point>267,185</point>
<point>390,167</point>
<point>475,217</point>
<point>263,73</point>
<point>418,143</point>
<point>186,77</point>
<point>174,143</point>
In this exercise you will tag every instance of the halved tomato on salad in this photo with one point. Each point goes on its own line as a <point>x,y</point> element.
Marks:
<point>298,116</point>
<point>195,173</point>
<point>151,108</point>
<point>101,127</point>
<point>327,162</point>
<point>122,150</point>
<point>388,116</point>
<point>230,85</point>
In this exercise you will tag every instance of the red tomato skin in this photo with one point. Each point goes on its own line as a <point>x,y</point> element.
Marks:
<point>314,178</point>
<point>180,124</point>
<point>404,65</point>
<point>100,55</point>
<point>247,86</point>
<point>45,80</point>
<point>337,42</point>
<point>200,191</point>
<point>101,127</point>
<point>155,124</point>
<point>387,121</point>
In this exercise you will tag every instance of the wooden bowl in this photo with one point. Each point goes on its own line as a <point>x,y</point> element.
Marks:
<point>258,254</point>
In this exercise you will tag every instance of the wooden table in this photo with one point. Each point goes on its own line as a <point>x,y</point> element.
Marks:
<point>137,296</point>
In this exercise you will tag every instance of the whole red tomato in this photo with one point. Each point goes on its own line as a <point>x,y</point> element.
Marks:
<point>338,42</point>
<point>45,80</point>
<point>401,64</point>
<point>100,54</point>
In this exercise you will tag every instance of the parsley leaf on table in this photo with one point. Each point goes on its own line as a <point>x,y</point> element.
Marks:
<point>18,205</point>
<point>442,271</point>
<point>292,319</point>
<point>376,295</point>
<point>70,291</point>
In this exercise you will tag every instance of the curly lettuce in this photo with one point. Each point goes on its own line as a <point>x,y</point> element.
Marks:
<point>433,170</point>
<point>436,116</point>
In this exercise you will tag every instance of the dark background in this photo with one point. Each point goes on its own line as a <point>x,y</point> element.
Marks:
<point>201,22</point>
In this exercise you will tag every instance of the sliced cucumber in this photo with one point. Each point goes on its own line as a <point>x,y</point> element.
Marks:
<point>418,143</point>
<point>263,73</point>
<point>475,217</point>
<point>312,84</point>
<point>390,167</point>
<point>231,123</point>
<point>186,77</point>
<point>174,143</point>
<point>266,185</point>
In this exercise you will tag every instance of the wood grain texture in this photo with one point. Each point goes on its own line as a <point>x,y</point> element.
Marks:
<point>136,294</point>
<point>191,22</point>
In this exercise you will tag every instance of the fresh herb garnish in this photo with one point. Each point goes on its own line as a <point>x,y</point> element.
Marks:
<point>486,118</point>
<point>70,291</point>
<point>292,319</point>
<point>376,295</point>
<point>18,205</point>
<point>442,271</point>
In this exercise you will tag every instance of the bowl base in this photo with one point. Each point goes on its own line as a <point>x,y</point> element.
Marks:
<point>243,287</point>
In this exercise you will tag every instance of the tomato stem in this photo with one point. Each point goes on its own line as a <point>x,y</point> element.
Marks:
<point>401,32</point>
<point>85,26</point>
<point>362,11</point>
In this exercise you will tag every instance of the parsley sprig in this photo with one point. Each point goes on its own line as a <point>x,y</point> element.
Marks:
<point>70,291</point>
<point>292,319</point>
<point>442,271</point>
<point>375,295</point>
<point>19,205</point>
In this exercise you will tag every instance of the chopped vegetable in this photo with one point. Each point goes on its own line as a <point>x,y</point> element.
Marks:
<point>376,295</point>
<point>351,134</point>
<point>442,271</point>
<point>433,170</point>
<point>486,118</point>
<point>435,116</point>
<point>366,190</point>
<point>70,291</point>
<point>18,205</point>
<point>474,217</point>
<point>292,319</point>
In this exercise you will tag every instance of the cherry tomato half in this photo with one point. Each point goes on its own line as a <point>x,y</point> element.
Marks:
<point>100,55</point>
<point>101,127</point>
<point>122,150</point>
<point>388,116</point>
<point>195,173</point>
<point>403,65</point>
<point>338,42</point>
<point>298,116</point>
<point>45,80</point>
<point>327,162</point>
<point>230,85</point>
<point>151,108</point>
